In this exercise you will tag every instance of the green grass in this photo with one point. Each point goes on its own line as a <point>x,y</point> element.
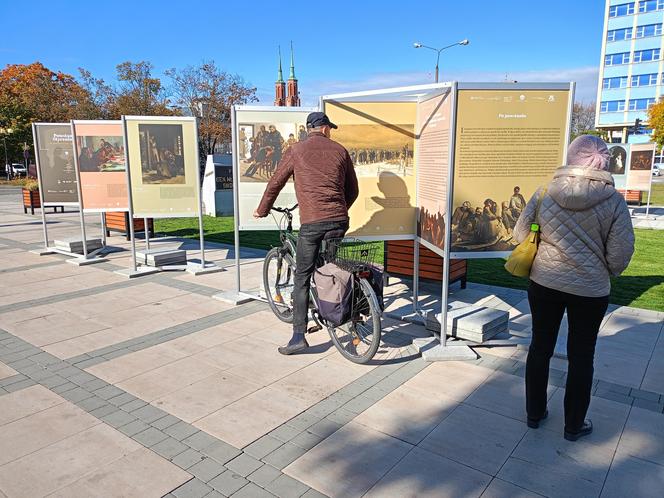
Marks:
<point>657,194</point>
<point>641,286</point>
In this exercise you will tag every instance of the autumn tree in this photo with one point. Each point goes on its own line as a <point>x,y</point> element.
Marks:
<point>583,121</point>
<point>33,92</point>
<point>656,122</point>
<point>207,92</point>
<point>139,92</point>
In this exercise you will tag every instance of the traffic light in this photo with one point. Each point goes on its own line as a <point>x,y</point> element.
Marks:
<point>637,126</point>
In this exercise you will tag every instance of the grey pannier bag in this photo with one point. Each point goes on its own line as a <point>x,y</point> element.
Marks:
<point>334,287</point>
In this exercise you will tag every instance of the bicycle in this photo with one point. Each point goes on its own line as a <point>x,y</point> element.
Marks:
<point>359,338</point>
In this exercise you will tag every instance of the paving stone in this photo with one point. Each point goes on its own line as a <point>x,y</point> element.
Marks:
<point>77,394</point>
<point>285,433</point>
<point>325,428</point>
<point>207,469</point>
<point>194,488</point>
<point>284,455</point>
<point>133,428</point>
<point>286,487</point>
<point>263,446</point>
<point>116,354</point>
<point>181,430</point>
<point>53,381</point>
<point>649,405</point>
<point>80,357</point>
<point>306,439</point>
<point>303,421</point>
<point>90,362</point>
<point>164,422</point>
<point>243,465</point>
<point>70,371</point>
<point>186,458</point>
<point>359,404</point>
<point>324,408</point>
<point>341,416</point>
<point>68,386</point>
<point>228,483</point>
<point>214,494</point>
<point>264,475</point>
<point>118,418</point>
<point>149,437</point>
<point>82,378</point>
<point>252,491</point>
<point>133,405</point>
<point>221,451</point>
<point>13,379</point>
<point>92,403</point>
<point>312,493</point>
<point>17,386</point>
<point>645,395</point>
<point>620,398</point>
<point>200,440</point>
<point>148,413</point>
<point>103,411</point>
<point>122,399</point>
<point>95,384</point>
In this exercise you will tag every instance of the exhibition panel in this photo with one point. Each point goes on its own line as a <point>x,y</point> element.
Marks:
<point>54,154</point>
<point>100,159</point>
<point>641,159</point>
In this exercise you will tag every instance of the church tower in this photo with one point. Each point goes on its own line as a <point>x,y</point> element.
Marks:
<point>280,86</point>
<point>293,99</point>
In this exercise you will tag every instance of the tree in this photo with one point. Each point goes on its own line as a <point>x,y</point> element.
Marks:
<point>138,93</point>
<point>33,92</point>
<point>583,120</point>
<point>209,93</point>
<point>656,122</point>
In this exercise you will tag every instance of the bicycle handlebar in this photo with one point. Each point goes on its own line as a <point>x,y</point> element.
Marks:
<point>285,210</point>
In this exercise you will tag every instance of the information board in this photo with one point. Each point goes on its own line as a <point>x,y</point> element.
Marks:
<point>55,162</point>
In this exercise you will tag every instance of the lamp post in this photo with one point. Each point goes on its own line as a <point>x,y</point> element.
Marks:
<point>439,50</point>
<point>5,131</point>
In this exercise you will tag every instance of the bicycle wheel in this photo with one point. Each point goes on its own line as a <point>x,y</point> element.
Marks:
<point>358,340</point>
<point>278,275</point>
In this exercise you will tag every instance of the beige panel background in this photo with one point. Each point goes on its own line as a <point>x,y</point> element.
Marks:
<point>164,200</point>
<point>386,205</point>
<point>640,167</point>
<point>504,139</point>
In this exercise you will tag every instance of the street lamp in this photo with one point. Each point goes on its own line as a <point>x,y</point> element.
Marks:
<point>5,131</point>
<point>439,50</point>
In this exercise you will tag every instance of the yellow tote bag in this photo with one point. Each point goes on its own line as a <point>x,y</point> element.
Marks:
<point>521,260</point>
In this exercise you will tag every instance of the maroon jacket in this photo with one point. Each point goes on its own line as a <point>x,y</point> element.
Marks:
<point>325,181</point>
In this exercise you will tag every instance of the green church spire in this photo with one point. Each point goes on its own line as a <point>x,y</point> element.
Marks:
<point>280,74</point>
<point>291,76</point>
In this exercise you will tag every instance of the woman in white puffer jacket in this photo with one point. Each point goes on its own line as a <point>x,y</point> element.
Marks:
<point>586,237</point>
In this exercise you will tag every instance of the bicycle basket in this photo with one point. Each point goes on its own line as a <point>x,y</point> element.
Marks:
<point>352,255</point>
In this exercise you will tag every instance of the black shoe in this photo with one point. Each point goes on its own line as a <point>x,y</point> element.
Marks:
<point>294,348</point>
<point>586,429</point>
<point>534,423</point>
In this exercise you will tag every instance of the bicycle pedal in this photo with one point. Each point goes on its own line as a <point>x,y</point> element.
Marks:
<point>313,329</point>
<point>278,299</point>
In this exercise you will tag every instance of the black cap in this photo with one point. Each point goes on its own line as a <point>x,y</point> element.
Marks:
<point>317,119</point>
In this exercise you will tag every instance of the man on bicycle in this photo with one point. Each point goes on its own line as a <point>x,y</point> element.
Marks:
<point>325,187</point>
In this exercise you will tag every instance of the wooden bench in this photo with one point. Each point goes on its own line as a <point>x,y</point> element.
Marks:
<point>119,222</point>
<point>632,196</point>
<point>31,201</point>
<point>399,260</point>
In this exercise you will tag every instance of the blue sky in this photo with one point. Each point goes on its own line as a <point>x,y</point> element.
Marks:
<point>339,46</point>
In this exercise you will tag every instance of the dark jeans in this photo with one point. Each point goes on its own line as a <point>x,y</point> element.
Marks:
<point>584,317</point>
<point>308,246</point>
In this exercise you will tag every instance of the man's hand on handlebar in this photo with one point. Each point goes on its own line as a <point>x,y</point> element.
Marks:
<point>257,215</point>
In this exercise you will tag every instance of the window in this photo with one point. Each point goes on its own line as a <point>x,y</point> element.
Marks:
<point>623,9</point>
<point>640,104</point>
<point>644,79</point>
<point>614,59</point>
<point>647,6</point>
<point>646,55</point>
<point>647,30</point>
<point>619,34</point>
<point>617,82</point>
<point>612,106</point>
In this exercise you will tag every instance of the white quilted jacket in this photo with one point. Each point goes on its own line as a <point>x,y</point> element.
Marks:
<point>586,232</point>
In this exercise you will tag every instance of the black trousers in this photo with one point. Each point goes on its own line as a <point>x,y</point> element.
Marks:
<point>584,317</point>
<point>308,247</point>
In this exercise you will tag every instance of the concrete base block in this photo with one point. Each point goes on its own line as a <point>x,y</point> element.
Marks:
<point>433,351</point>
<point>75,245</point>
<point>161,257</point>
<point>86,261</point>
<point>43,251</point>
<point>473,323</point>
<point>139,272</point>
<point>196,268</point>
<point>233,298</point>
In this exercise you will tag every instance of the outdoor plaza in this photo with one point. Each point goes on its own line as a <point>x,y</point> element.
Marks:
<point>149,387</point>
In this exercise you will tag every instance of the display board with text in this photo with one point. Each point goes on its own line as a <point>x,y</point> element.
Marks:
<point>619,163</point>
<point>508,142</point>
<point>55,163</point>
<point>261,137</point>
<point>100,154</point>
<point>163,166</point>
<point>641,160</point>
<point>380,137</point>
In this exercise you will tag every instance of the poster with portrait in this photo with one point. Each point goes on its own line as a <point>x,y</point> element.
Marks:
<point>508,143</point>
<point>55,160</point>
<point>640,166</point>
<point>163,166</point>
<point>434,135</point>
<point>261,138</point>
<point>100,157</point>
<point>380,137</point>
<point>619,163</point>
